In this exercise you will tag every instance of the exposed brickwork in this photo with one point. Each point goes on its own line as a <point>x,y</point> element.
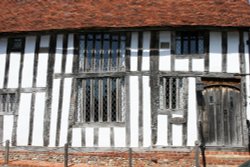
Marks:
<point>36,15</point>
<point>120,159</point>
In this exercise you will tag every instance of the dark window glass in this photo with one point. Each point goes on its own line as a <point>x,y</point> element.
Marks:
<point>16,44</point>
<point>7,102</point>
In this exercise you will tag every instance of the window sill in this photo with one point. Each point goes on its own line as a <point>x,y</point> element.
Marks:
<point>98,124</point>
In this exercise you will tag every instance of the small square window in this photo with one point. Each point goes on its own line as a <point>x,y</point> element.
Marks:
<point>16,44</point>
<point>7,102</point>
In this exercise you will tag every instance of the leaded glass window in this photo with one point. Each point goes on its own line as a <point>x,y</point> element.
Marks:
<point>7,102</point>
<point>99,52</point>
<point>172,91</point>
<point>189,43</point>
<point>100,99</point>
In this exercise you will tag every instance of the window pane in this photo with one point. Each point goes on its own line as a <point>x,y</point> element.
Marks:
<point>201,45</point>
<point>106,45</point>
<point>122,50</point>
<point>113,100</point>
<point>185,45</point>
<point>89,52</point>
<point>105,100</point>
<point>98,52</point>
<point>96,100</point>
<point>87,119</point>
<point>178,45</point>
<point>193,45</point>
<point>114,51</point>
<point>81,52</point>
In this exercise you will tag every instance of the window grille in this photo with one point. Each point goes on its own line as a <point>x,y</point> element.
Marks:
<point>189,43</point>
<point>102,52</point>
<point>7,102</point>
<point>173,90</point>
<point>100,99</point>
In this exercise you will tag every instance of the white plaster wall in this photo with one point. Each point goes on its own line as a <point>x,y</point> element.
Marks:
<point>7,127</point>
<point>58,55</point>
<point>44,43</point>
<point>89,137</point>
<point>233,59</point>
<point>14,70</point>
<point>146,112</point>
<point>104,137</point>
<point>3,48</point>
<point>247,76</point>
<point>146,51</point>
<point>181,64</point>
<point>76,137</point>
<point>162,132</point>
<point>37,138</point>
<point>192,134</point>
<point>134,114</point>
<point>165,54</point>
<point>28,62</point>
<point>70,54</point>
<point>215,52</point>
<point>134,51</point>
<point>177,132</point>
<point>65,111</point>
<point>54,110</point>
<point>23,119</point>
<point>198,65</point>
<point>42,69</point>
<point>119,137</point>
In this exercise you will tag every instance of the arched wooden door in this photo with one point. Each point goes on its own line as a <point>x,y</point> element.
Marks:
<point>221,117</point>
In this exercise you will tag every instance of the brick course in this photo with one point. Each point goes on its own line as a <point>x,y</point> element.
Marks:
<point>121,159</point>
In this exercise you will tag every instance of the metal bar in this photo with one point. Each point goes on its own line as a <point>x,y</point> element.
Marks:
<point>130,157</point>
<point>66,149</point>
<point>6,154</point>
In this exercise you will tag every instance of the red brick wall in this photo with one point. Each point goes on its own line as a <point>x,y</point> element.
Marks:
<point>120,159</point>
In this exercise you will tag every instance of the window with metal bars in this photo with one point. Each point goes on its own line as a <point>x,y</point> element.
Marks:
<point>189,43</point>
<point>173,90</point>
<point>102,52</point>
<point>7,103</point>
<point>100,99</point>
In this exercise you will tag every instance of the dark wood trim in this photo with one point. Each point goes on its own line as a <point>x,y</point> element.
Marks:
<point>172,51</point>
<point>128,130</point>
<point>243,114</point>
<point>49,86</point>
<point>37,47</point>
<point>98,124</point>
<point>22,90</point>
<point>128,51</point>
<point>224,51</point>
<point>112,137</point>
<point>61,91</point>
<point>154,83</point>
<point>96,137</point>
<point>206,47</point>
<point>140,50</point>
<point>185,113</point>
<point>83,137</point>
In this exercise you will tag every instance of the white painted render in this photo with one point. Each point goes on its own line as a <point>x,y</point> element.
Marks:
<point>181,64</point>
<point>70,53</point>
<point>3,48</point>
<point>14,70</point>
<point>37,138</point>
<point>198,65</point>
<point>119,137</point>
<point>7,127</point>
<point>165,54</point>
<point>134,110</point>
<point>58,55</point>
<point>192,113</point>
<point>134,51</point>
<point>233,59</point>
<point>65,111</point>
<point>28,62</point>
<point>89,137</point>
<point>23,119</point>
<point>177,132</point>
<point>146,112</point>
<point>77,137</point>
<point>146,51</point>
<point>104,137</point>
<point>215,52</point>
<point>162,135</point>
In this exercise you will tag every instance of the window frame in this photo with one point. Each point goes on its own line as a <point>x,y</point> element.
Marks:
<point>8,104</point>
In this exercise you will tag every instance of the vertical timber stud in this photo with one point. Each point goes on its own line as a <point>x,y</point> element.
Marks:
<point>18,96</point>
<point>74,94</point>
<point>185,113</point>
<point>154,83</point>
<point>60,104</point>
<point>127,59</point>
<point>206,40</point>
<point>224,51</point>
<point>38,40</point>
<point>243,89</point>
<point>172,51</point>
<point>140,43</point>
<point>49,86</point>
